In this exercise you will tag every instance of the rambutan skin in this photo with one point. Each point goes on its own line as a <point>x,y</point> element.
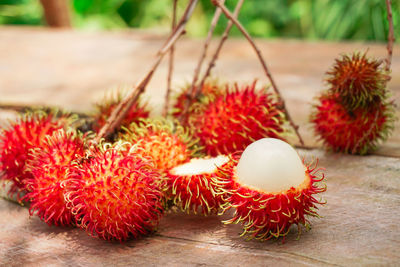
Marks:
<point>167,143</point>
<point>266,215</point>
<point>115,196</point>
<point>105,108</point>
<point>358,80</point>
<point>356,132</point>
<point>236,119</point>
<point>209,91</point>
<point>192,193</point>
<point>19,138</point>
<point>50,165</point>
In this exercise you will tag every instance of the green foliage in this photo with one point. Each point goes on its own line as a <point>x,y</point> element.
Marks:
<point>308,19</point>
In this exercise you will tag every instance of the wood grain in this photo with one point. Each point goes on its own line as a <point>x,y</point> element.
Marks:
<point>73,69</point>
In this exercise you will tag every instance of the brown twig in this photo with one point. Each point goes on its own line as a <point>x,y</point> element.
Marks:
<point>23,108</point>
<point>120,111</point>
<point>214,22</point>
<point>391,38</point>
<point>230,16</point>
<point>219,48</point>
<point>170,63</point>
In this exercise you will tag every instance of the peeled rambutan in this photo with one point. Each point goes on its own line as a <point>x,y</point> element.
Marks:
<point>105,108</point>
<point>358,131</point>
<point>357,80</point>
<point>269,188</point>
<point>236,119</point>
<point>50,166</point>
<point>19,138</point>
<point>209,91</point>
<point>189,185</point>
<point>115,196</point>
<point>166,142</point>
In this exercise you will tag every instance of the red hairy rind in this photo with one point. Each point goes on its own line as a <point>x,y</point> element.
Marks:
<point>356,132</point>
<point>115,196</point>
<point>50,165</point>
<point>268,215</point>
<point>358,80</point>
<point>192,193</point>
<point>209,92</point>
<point>105,108</point>
<point>26,133</point>
<point>236,119</point>
<point>167,143</point>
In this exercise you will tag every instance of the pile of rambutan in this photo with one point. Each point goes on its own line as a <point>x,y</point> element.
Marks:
<point>119,189</point>
<point>354,115</point>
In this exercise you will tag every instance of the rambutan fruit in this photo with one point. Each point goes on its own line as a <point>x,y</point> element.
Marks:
<point>113,195</point>
<point>358,80</point>
<point>269,188</point>
<point>50,166</point>
<point>209,91</point>
<point>358,131</point>
<point>189,185</point>
<point>105,108</point>
<point>27,133</point>
<point>166,142</point>
<point>236,119</point>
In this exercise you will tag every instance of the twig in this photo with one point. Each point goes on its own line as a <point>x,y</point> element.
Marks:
<point>171,62</point>
<point>219,48</point>
<point>120,111</point>
<point>230,16</point>
<point>22,108</point>
<point>391,38</point>
<point>214,22</point>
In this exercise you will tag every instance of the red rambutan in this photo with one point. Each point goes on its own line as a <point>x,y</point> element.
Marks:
<point>358,80</point>
<point>115,196</point>
<point>358,131</point>
<point>50,165</point>
<point>209,92</point>
<point>105,108</point>
<point>26,133</point>
<point>269,188</point>
<point>166,142</point>
<point>234,120</point>
<point>189,185</point>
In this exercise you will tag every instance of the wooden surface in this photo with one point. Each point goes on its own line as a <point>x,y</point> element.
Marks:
<point>72,69</point>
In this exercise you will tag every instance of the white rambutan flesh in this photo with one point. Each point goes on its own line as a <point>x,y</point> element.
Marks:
<point>270,165</point>
<point>200,166</point>
<point>190,185</point>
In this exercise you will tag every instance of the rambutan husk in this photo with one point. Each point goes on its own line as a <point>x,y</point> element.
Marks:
<point>114,195</point>
<point>357,80</point>
<point>166,142</point>
<point>189,185</point>
<point>27,133</point>
<point>239,117</point>
<point>266,215</point>
<point>104,109</point>
<point>50,166</point>
<point>357,131</point>
<point>211,89</point>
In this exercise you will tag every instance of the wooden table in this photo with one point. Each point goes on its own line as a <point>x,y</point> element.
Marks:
<point>73,69</point>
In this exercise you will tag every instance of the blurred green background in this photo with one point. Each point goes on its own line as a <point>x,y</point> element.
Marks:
<point>306,19</point>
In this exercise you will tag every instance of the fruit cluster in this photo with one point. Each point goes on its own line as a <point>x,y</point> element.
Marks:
<point>120,188</point>
<point>354,114</point>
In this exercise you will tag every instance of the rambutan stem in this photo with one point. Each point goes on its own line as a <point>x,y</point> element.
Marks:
<point>214,22</point>
<point>120,111</point>
<point>231,17</point>
<point>22,108</point>
<point>391,37</point>
<point>224,37</point>
<point>171,62</point>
